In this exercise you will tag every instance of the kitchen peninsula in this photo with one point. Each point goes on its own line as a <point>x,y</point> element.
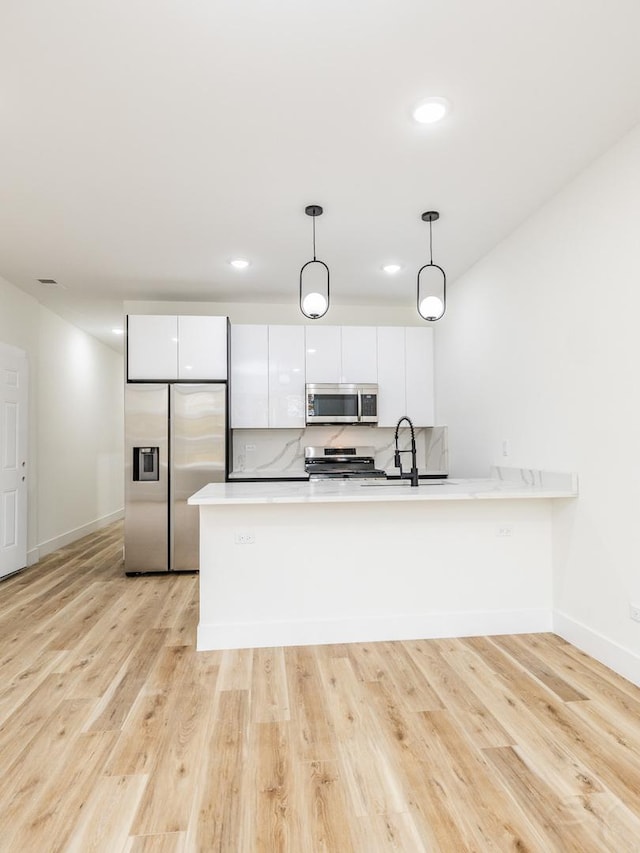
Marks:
<point>330,562</point>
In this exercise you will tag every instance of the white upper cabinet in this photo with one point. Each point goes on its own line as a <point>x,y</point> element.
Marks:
<point>392,395</point>
<point>359,354</point>
<point>419,375</point>
<point>286,376</point>
<point>270,365</point>
<point>323,353</point>
<point>249,376</point>
<point>168,347</point>
<point>405,375</point>
<point>152,347</point>
<point>341,354</point>
<point>202,348</point>
<point>267,376</point>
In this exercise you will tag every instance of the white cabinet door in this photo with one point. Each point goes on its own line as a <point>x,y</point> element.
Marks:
<point>405,375</point>
<point>249,376</point>
<point>152,346</point>
<point>286,376</point>
<point>359,354</point>
<point>392,397</point>
<point>419,375</point>
<point>323,354</point>
<point>202,348</point>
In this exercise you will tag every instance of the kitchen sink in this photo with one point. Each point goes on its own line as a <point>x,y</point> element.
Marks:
<point>402,483</point>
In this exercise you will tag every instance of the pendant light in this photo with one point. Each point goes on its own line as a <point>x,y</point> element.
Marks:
<point>432,282</point>
<point>314,277</point>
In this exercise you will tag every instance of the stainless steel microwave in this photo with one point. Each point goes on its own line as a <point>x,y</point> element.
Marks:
<point>341,404</point>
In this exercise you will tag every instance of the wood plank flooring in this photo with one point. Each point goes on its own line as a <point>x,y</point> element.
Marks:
<point>116,735</point>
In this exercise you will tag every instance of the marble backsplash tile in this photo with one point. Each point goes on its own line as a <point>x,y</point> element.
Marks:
<point>535,477</point>
<point>281,451</point>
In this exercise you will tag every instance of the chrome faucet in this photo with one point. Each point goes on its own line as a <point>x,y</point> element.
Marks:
<point>397,459</point>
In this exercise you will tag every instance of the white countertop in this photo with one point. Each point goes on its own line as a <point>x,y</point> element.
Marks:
<point>365,491</point>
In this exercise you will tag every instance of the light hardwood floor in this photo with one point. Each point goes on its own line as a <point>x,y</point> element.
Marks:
<point>116,735</point>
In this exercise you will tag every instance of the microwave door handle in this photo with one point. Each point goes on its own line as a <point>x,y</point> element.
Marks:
<point>359,396</point>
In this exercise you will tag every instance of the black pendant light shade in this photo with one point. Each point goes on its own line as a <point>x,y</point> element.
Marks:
<point>314,278</point>
<point>431,291</point>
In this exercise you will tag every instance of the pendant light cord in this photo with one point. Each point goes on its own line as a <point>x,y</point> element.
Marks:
<point>430,243</point>
<point>314,237</point>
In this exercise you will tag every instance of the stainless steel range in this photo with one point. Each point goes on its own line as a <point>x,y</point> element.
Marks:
<point>334,463</point>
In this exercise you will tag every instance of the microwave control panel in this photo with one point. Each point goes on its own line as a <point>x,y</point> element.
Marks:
<point>369,405</point>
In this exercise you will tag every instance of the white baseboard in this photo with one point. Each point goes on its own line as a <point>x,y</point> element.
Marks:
<point>243,635</point>
<point>616,657</point>
<point>51,545</point>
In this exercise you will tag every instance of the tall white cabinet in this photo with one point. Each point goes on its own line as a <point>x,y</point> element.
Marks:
<point>419,375</point>
<point>249,376</point>
<point>267,376</point>
<point>405,375</point>
<point>286,376</point>
<point>392,394</point>
<point>170,347</point>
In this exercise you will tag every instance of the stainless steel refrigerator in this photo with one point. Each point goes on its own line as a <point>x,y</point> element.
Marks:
<point>175,443</point>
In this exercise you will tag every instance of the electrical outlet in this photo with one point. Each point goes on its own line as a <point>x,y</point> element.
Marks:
<point>506,449</point>
<point>505,530</point>
<point>244,537</point>
<point>634,612</point>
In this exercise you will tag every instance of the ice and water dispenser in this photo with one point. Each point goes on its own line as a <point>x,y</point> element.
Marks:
<point>146,463</point>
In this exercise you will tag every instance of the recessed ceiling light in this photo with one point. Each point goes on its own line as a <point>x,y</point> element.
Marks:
<point>392,269</point>
<point>118,331</point>
<point>431,110</point>
<point>239,263</point>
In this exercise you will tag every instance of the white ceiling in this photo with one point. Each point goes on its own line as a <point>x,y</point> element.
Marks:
<point>145,143</point>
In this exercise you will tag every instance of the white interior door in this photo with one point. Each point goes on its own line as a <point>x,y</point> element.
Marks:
<point>13,459</point>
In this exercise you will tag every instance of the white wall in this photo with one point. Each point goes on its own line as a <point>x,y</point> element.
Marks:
<point>80,431</point>
<point>75,460</point>
<point>540,347</point>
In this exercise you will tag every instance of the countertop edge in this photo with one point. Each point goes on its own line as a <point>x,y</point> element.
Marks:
<point>343,492</point>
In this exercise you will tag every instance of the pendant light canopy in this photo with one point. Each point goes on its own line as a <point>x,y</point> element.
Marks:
<point>431,290</point>
<point>314,277</point>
